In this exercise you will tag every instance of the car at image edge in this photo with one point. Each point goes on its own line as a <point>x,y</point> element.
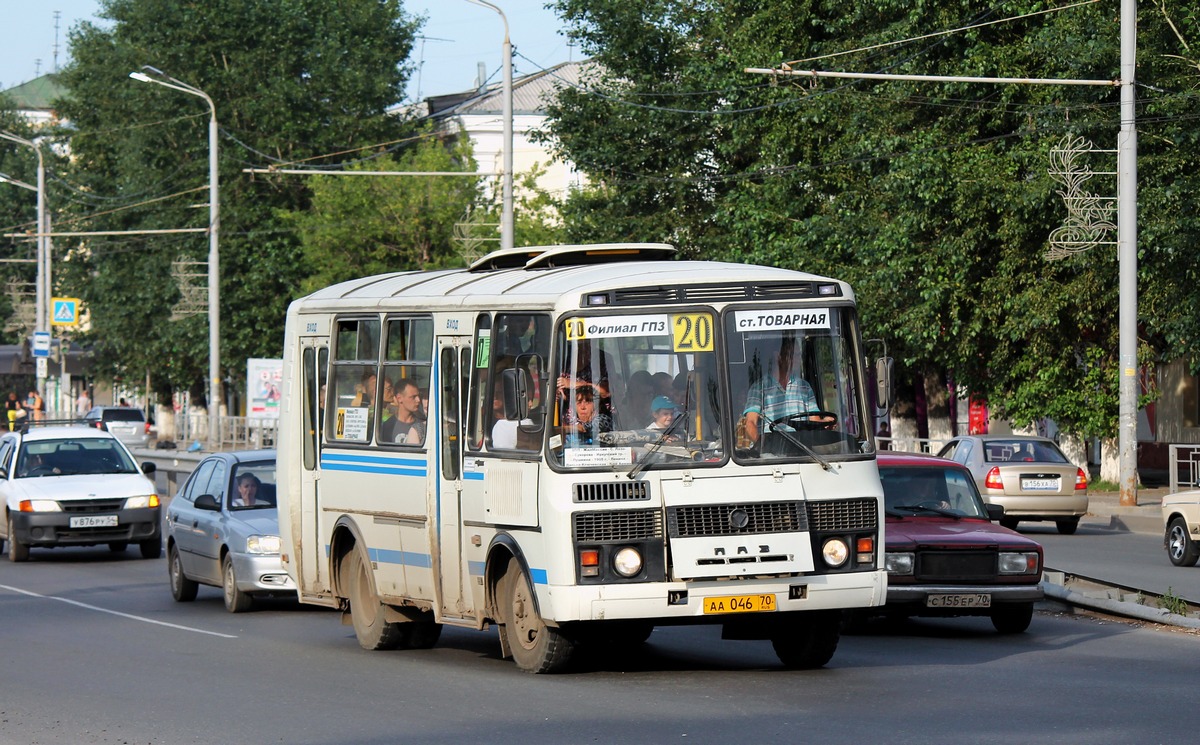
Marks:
<point>214,540</point>
<point>1181,527</point>
<point>944,555</point>
<point>1028,476</point>
<point>71,486</point>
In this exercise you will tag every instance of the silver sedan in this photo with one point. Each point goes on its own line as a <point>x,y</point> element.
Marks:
<point>1029,476</point>
<point>223,530</point>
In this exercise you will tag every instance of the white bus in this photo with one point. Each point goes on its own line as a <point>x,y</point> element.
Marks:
<point>577,444</point>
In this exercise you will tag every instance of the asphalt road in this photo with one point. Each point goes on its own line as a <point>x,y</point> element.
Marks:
<point>94,650</point>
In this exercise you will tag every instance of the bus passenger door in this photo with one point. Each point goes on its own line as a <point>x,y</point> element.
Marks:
<point>314,354</point>
<point>454,357</point>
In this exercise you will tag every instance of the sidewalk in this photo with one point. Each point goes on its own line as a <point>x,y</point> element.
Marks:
<point>1146,517</point>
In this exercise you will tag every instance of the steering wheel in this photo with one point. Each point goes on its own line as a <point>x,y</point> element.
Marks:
<point>41,470</point>
<point>805,422</point>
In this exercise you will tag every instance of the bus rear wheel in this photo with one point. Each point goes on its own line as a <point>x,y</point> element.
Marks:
<point>536,647</point>
<point>810,642</point>
<point>366,612</point>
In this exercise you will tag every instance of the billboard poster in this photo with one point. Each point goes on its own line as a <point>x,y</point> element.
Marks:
<point>264,380</point>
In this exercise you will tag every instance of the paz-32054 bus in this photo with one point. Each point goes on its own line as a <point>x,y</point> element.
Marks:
<point>577,444</point>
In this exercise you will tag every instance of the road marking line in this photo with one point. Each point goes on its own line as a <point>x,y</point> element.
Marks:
<point>116,613</point>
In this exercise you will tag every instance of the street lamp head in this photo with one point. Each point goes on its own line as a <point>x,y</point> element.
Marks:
<point>143,77</point>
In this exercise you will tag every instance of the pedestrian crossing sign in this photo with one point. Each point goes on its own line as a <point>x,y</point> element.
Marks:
<point>65,311</point>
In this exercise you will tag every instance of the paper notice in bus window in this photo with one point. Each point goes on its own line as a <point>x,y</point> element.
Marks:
<point>352,423</point>
<point>779,318</point>
<point>597,457</point>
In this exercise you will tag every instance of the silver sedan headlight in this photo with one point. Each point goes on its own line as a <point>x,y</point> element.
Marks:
<point>900,563</point>
<point>1025,562</point>
<point>262,544</point>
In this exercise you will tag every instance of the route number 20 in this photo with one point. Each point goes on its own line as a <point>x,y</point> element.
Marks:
<point>693,332</point>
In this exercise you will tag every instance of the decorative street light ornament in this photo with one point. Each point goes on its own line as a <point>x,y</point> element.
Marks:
<point>1090,217</point>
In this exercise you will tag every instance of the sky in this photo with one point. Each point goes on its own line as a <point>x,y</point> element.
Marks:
<point>458,35</point>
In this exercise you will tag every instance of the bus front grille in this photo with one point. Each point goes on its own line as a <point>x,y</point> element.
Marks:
<point>618,525</point>
<point>698,520</point>
<point>612,492</point>
<point>844,514</point>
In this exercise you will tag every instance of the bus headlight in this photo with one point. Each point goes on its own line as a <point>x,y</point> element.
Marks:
<point>628,562</point>
<point>900,563</point>
<point>835,552</point>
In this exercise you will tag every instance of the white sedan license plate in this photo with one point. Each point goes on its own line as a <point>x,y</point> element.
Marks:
<point>1039,484</point>
<point>94,521</point>
<point>964,600</point>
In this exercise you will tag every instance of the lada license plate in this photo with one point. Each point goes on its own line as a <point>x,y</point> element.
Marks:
<point>94,521</point>
<point>740,604</point>
<point>1039,484</point>
<point>963,600</point>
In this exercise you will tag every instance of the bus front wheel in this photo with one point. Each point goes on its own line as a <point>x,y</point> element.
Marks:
<point>536,647</point>
<point>809,643</point>
<point>366,612</point>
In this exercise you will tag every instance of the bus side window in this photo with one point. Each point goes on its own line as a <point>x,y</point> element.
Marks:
<point>449,412</point>
<point>355,380</point>
<point>480,398</point>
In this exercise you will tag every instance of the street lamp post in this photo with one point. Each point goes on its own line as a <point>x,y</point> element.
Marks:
<point>158,77</point>
<point>506,208</point>
<point>42,290</point>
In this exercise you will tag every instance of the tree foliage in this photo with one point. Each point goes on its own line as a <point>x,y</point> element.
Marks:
<point>932,199</point>
<point>293,82</point>
<point>359,226</point>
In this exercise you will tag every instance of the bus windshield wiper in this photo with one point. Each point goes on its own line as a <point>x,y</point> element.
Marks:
<point>644,460</point>
<point>791,437</point>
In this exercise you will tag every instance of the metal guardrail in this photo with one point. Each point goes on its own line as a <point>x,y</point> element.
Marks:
<point>233,432</point>
<point>1184,467</point>
<point>910,444</point>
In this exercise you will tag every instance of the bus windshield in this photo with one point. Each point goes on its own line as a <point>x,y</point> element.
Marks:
<point>794,383</point>
<point>636,389</point>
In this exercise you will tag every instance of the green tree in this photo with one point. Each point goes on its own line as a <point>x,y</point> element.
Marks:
<point>358,226</point>
<point>933,199</point>
<point>293,81</point>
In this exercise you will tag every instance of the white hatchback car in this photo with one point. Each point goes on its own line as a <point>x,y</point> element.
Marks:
<point>75,486</point>
<point>1181,527</point>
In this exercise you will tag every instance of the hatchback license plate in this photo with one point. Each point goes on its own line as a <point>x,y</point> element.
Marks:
<point>965,600</point>
<point>94,521</point>
<point>1039,484</point>
<point>740,604</point>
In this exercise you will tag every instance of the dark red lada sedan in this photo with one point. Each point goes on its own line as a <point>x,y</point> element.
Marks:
<point>945,556</point>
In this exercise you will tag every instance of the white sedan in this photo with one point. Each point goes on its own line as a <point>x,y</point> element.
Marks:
<point>74,486</point>
<point>1181,523</point>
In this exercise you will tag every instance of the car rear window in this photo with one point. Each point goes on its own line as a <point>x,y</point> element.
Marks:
<point>1017,451</point>
<point>123,415</point>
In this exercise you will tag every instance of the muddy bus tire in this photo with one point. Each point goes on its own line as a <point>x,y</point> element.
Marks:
<point>536,647</point>
<point>367,613</point>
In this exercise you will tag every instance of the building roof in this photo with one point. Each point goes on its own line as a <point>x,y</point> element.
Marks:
<point>531,93</point>
<point>37,94</point>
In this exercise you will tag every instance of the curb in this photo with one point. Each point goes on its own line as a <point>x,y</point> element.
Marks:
<point>1117,607</point>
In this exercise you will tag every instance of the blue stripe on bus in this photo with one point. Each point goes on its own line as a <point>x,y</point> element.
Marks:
<point>538,576</point>
<point>404,558</point>
<point>373,464</point>
<point>472,476</point>
<point>375,469</point>
<point>475,568</point>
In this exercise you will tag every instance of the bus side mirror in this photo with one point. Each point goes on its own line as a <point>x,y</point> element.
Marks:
<point>516,393</point>
<point>883,382</point>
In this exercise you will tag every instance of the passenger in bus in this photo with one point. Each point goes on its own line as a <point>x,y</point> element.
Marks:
<point>780,392</point>
<point>663,412</point>
<point>408,425</point>
<point>364,392</point>
<point>584,422</point>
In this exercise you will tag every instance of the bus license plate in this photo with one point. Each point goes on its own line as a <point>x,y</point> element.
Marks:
<point>94,521</point>
<point>966,600</point>
<point>739,604</point>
